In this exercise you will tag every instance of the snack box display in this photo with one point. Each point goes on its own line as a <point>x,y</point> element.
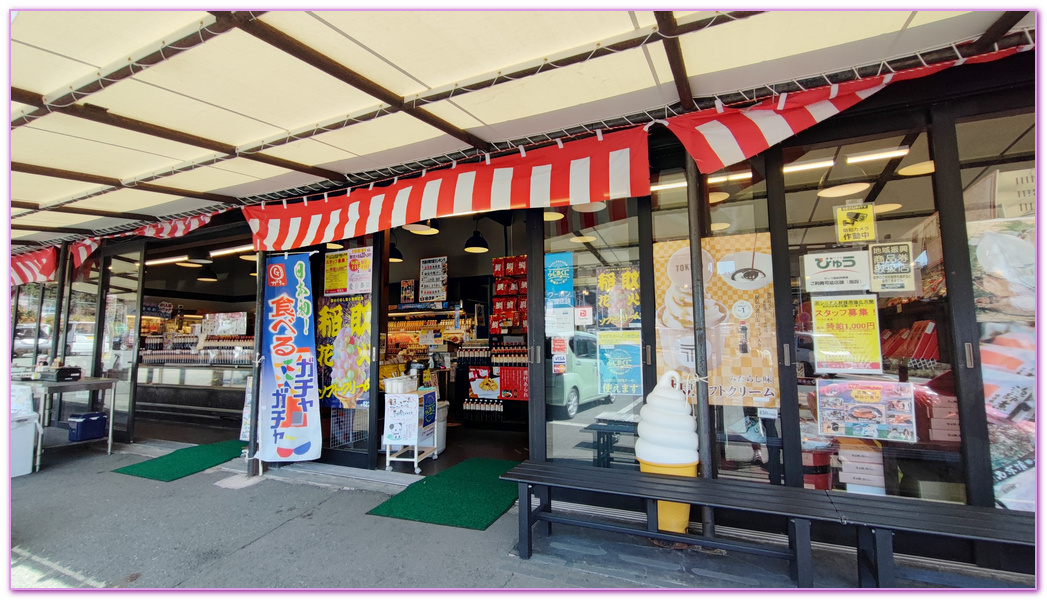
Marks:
<point>510,304</point>
<point>522,282</point>
<point>520,268</point>
<point>498,267</point>
<point>521,304</point>
<point>498,304</point>
<point>503,285</point>
<point>510,266</point>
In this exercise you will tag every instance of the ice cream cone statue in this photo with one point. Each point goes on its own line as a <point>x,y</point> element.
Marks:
<point>668,444</point>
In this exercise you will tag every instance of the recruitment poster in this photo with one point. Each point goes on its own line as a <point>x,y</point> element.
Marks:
<point>618,297</point>
<point>855,223</point>
<point>741,343</point>
<point>892,268</point>
<point>343,351</point>
<point>874,410</point>
<point>289,411</point>
<point>348,272</point>
<point>620,362</point>
<point>846,334</point>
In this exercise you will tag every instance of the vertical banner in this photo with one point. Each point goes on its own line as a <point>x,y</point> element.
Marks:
<point>674,309</point>
<point>618,297</point>
<point>343,351</point>
<point>621,366</point>
<point>846,334</point>
<point>289,411</point>
<point>432,281</point>
<point>741,345</point>
<point>559,295</point>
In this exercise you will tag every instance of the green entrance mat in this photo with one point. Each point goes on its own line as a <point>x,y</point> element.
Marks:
<point>467,495</point>
<point>184,462</point>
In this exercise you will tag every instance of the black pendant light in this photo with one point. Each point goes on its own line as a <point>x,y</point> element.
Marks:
<point>199,256</point>
<point>476,244</point>
<point>395,255</point>
<point>207,274</point>
<point>432,230</point>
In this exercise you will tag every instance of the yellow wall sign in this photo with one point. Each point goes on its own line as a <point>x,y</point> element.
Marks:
<point>855,223</point>
<point>846,334</point>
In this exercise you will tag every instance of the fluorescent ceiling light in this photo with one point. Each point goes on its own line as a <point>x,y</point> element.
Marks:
<point>668,186</point>
<point>921,168</point>
<point>552,215</point>
<point>717,179</point>
<point>718,197</point>
<point>582,239</point>
<point>590,207</point>
<point>877,155</point>
<point>885,208</point>
<point>846,189</point>
<point>738,176</point>
<point>166,261</point>
<point>810,165</point>
<point>236,250</point>
<point>719,226</point>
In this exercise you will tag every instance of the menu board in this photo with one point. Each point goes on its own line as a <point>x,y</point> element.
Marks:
<point>874,410</point>
<point>432,281</point>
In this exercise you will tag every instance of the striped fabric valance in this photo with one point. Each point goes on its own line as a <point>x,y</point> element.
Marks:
<point>34,267</point>
<point>601,168</point>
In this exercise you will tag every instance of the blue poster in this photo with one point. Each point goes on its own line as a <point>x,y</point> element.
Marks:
<point>289,406</point>
<point>559,280</point>
<point>621,371</point>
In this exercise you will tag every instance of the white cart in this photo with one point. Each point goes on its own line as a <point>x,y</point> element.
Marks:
<point>410,422</point>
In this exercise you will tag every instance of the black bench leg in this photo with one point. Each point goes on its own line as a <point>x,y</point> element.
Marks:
<point>875,557</point>
<point>545,505</point>
<point>652,515</point>
<point>524,547</point>
<point>801,567</point>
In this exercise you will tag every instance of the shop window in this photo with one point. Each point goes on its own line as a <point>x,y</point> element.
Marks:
<point>997,160</point>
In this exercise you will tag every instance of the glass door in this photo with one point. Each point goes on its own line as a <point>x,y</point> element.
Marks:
<point>118,333</point>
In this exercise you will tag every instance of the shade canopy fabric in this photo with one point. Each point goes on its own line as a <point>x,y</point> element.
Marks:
<point>33,267</point>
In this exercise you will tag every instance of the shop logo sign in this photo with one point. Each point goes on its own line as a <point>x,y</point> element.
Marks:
<point>558,272</point>
<point>846,262</point>
<point>276,275</point>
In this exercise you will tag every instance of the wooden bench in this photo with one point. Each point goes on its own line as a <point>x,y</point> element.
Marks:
<point>797,505</point>
<point>876,518</point>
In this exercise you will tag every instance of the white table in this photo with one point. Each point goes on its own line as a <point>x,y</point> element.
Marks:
<point>50,388</point>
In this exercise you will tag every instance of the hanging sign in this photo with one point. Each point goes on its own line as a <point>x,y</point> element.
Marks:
<point>846,334</point>
<point>855,223</point>
<point>289,407</point>
<point>875,410</point>
<point>892,268</point>
<point>618,297</point>
<point>343,351</point>
<point>163,310</point>
<point>406,291</point>
<point>432,282</point>
<point>836,272</point>
<point>620,363</point>
<point>559,280</point>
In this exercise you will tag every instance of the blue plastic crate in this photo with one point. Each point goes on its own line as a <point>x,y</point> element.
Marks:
<point>87,426</point>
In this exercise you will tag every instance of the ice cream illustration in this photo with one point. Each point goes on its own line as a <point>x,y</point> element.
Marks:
<point>676,315</point>
<point>668,444</point>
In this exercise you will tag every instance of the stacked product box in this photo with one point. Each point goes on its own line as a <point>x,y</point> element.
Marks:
<point>510,293</point>
<point>861,466</point>
<point>937,417</point>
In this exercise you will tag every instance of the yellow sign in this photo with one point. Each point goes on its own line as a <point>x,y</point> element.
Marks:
<point>336,273</point>
<point>855,223</point>
<point>846,334</point>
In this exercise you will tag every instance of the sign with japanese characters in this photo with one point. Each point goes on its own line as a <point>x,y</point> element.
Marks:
<point>892,268</point>
<point>836,272</point>
<point>620,362</point>
<point>875,410</point>
<point>348,272</point>
<point>855,223</point>
<point>583,315</point>
<point>846,334</point>
<point>289,407</point>
<point>618,297</point>
<point>343,351</point>
<point>559,280</point>
<point>409,418</point>
<point>432,281</point>
<point>406,291</point>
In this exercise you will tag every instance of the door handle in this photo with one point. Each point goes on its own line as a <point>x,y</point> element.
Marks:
<point>649,354</point>
<point>968,349</point>
<point>785,355</point>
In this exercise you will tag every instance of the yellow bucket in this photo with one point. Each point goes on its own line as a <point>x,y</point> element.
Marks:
<point>672,516</point>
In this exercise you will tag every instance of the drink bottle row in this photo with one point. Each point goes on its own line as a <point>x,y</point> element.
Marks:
<point>478,409</point>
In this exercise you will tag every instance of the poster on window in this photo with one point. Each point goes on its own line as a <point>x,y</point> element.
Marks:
<point>846,334</point>
<point>874,410</point>
<point>343,351</point>
<point>289,406</point>
<point>620,363</point>
<point>836,272</point>
<point>559,280</point>
<point>855,223</point>
<point>618,297</point>
<point>348,272</point>
<point>741,345</point>
<point>892,267</point>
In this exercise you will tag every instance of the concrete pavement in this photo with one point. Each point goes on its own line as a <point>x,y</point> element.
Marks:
<point>77,524</point>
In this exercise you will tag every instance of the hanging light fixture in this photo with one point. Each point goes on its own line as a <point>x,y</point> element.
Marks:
<point>207,274</point>
<point>199,256</point>
<point>416,227</point>
<point>334,246</point>
<point>432,229</point>
<point>476,244</point>
<point>590,207</point>
<point>552,215</point>
<point>188,264</point>
<point>845,172</point>
<point>394,253</point>
<point>250,257</point>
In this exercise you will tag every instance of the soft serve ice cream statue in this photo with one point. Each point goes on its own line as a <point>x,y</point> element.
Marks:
<point>668,444</point>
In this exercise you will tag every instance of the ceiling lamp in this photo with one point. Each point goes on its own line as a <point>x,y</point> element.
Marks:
<point>846,189</point>
<point>236,250</point>
<point>552,215</point>
<point>877,155</point>
<point>846,172</point>
<point>811,165</point>
<point>394,254</point>
<point>334,246</point>
<point>590,207</point>
<point>200,257</point>
<point>583,239</point>
<point>921,168</point>
<point>165,261</point>
<point>431,228</point>
<point>718,197</point>
<point>719,226</point>
<point>416,227</point>
<point>207,274</point>
<point>250,257</point>
<point>879,209</point>
<point>188,264</point>
<point>668,186</point>
<point>476,244</point>
<point>254,274</point>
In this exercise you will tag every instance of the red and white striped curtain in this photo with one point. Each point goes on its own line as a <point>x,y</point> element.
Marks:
<point>34,267</point>
<point>720,137</point>
<point>600,168</point>
<point>83,249</point>
<point>174,228</point>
